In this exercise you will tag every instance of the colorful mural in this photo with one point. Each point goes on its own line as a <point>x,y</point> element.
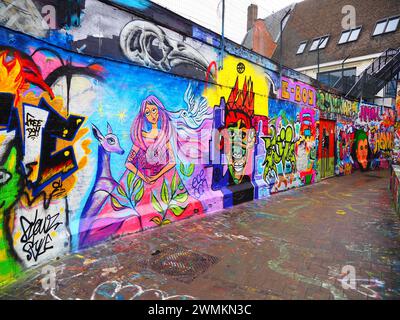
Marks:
<point>330,103</point>
<point>290,159</point>
<point>344,147</point>
<point>297,92</point>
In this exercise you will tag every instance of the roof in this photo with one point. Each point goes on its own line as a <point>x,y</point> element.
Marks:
<point>272,22</point>
<point>311,19</point>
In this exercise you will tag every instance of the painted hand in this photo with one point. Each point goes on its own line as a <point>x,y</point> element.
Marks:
<point>152,179</point>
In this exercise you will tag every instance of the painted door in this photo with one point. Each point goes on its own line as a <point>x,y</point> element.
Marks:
<point>326,149</point>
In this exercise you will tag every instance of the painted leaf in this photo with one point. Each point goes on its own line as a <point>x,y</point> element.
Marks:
<point>121,191</point>
<point>181,187</point>
<point>138,183</point>
<point>131,178</point>
<point>156,204</point>
<point>177,210</point>
<point>165,193</point>
<point>182,168</point>
<point>174,183</point>
<point>190,170</point>
<point>182,197</point>
<point>117,206</point>
<point>166,221</point>
<point>139,195</point>
<point>156,220</point>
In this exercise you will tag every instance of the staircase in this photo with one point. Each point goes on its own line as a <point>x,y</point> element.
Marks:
<point>376,76</point>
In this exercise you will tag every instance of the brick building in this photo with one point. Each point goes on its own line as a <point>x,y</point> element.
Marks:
<point>349,45</point>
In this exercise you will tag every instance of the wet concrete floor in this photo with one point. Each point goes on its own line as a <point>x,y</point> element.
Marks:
<point>295,245</point>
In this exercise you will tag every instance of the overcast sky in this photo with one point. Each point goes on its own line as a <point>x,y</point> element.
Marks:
<point>208,13</point>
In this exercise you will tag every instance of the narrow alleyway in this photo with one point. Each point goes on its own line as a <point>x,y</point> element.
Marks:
<point>291,246</point>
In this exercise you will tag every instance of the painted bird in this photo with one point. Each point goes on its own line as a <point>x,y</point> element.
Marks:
<point>197,110</point>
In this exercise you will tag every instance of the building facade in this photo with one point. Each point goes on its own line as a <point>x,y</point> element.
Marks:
<point>336,41</point>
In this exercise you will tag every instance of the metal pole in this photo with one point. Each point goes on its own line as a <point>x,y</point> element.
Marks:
<point>221,64</point>
<point>281,43</point>
<point>343,72</point>
<point>319,43</point>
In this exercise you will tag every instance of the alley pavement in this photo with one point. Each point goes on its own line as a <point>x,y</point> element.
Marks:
<point>338,239</point>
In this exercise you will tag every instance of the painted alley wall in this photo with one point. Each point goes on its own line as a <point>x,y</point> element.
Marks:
<point>147,130</point>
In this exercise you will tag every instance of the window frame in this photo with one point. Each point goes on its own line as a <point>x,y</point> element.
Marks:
<point>339,71</point>
<point>305,47</point>
<point>328,36</point>
<point>350,31</point>
<point>386,21</point>
<point>398,23</point>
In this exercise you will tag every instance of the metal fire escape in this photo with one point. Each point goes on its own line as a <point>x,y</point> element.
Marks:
<point>383,70</point>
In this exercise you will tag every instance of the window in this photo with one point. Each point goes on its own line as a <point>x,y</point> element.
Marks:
<point>386,26</point>
<point>319,43</point>
<point>302,47</point>
<point>330,78</point>
<point>390,89</point>
<point>392,25</point>
<point>350,35</point>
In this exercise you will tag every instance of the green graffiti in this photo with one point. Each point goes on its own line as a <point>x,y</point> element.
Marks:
<point>328,102</point>
<point>10,188</point>
<point>279,149</point>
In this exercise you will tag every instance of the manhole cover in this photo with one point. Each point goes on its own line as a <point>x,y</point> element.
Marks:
<point>181,263</point>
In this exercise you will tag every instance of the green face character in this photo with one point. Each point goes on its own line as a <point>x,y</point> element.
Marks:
<point>10,181</point>
<point>10,188</point>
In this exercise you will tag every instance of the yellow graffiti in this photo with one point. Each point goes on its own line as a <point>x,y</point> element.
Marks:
<point>226,81</point>
<point>384,142</point>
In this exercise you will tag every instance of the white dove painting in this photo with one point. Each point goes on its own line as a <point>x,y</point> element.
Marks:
<point>197,111</point>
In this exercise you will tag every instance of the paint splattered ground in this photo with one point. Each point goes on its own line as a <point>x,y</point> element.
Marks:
<point>291,246</point>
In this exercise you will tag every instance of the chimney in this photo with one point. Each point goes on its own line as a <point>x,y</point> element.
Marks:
<point>252,15</point>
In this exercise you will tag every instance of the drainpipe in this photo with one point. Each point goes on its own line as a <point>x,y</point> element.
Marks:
<point>222,50</point>
<point>281,43</point>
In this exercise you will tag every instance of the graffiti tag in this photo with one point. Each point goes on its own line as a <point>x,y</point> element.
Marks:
<point>32,126</point>
<point>37,236</point>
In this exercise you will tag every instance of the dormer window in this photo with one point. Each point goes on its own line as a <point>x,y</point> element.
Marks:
<point>319,43</point>
<point>350,35</point>
<point>386,26</point>
<point>302,47</point>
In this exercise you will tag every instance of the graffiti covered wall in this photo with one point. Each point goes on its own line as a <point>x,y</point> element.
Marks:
<point>135,126</point>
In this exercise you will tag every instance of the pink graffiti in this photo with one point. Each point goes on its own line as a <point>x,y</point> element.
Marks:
<point>369,113</point>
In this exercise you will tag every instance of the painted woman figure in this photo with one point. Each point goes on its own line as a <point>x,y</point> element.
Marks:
<point>152,159</point>
<point>151,192</point>
<point>151,156</point>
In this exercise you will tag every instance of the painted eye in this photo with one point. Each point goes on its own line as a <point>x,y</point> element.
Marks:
<point>184,113</point>
<point>147,113</point>
<point>111,141</point>
<point>154,110</point>
<point>4,177</point>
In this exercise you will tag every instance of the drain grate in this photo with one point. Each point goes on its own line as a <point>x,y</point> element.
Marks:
<point>181,263</point>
